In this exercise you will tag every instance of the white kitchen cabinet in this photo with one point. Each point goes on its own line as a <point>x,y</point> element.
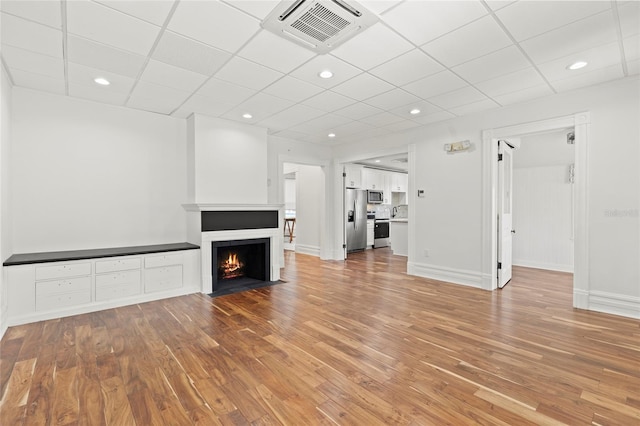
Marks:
<point>370,232</point>
<point>373,179</point>
<point>399,236</point>
<point>399,182</point>
<point>353,176</point>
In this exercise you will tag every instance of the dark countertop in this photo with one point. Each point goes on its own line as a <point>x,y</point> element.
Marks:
<point>61,256</point>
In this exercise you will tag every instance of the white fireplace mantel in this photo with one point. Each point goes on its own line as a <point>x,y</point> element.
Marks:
<point>211,207</point>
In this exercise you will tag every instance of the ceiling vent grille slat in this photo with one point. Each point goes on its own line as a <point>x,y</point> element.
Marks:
<point>318,24</point>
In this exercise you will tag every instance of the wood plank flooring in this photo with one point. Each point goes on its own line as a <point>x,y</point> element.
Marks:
<point>349,343</point>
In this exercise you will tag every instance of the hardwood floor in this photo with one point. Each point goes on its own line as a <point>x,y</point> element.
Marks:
<point>350,343</point>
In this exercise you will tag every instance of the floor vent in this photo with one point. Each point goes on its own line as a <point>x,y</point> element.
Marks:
<point>319,25</point>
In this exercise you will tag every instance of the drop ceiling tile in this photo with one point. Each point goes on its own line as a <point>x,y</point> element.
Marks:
<point>260,106</point>
<point>358,111</point>
<point>524,95</point>
<point>633,67</point>
<point>459,97</point>
<point>258,8</point>
<point>362,87</point>
<point>407,68</point>
<point>526,19</point>
<point>629,14</point>
<point>153,11</point>
<point>374,46</point>
<point>99,56</point>
<point>322,124</point>
<point>248,74</point>
<point>33,62</point>
<point>423,21</point>
<point>179,51</point>
<point>350,128</point>
<point>341,71</point>
<point>97,94</point>
<point>589,78</point>
<point>291,117</point>
<point>292,89</point>
<point>202,105</point>
<point>372,132</point>
<point>578,36</point>
<point>434,118</point>
<point>167,75</point>
<point>493,65</point>
<point>392,99</point>
<point>82,75</point>
<point>598,57</point>
<point>329,101</point>
<point>474,107</point>
<point>37,81</point>
<point>96,22</point>
<point>161,106</point>
<point>401,126</point>
<point>214,23</point>
<point>18,32</point>
<point>434,85</point>
<point>631,48</point>
<point>512,82</point>
<point>288,134</point>
<point>469,42</point>
<point>425,108</point>
<point>378,6</point>
<point>42,12</point>
<point>498,4</point>
<point>164,95</point>
<point>275,52</point>
<point>226,92</point>
<point>382,119</point>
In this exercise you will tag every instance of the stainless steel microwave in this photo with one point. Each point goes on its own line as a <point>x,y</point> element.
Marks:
<point>375,197</point>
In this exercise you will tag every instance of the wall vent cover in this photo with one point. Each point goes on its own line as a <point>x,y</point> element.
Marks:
<point>319,25</point>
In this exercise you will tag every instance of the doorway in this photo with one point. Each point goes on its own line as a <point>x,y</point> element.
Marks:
<point>580,124</point>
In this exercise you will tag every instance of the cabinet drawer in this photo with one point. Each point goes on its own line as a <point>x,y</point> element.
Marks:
<point>61,271</point>
<point>163,260</point>
<point>165,278</point>
<point>62,300</point>
<point>125,277</point>
<point>122,264</point>
<point>116,291</point>
<point>52,288</point>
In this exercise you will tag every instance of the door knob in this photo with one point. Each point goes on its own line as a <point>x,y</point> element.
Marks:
<point>513,231</point>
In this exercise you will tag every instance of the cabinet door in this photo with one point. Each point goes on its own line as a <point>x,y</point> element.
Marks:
<point>353,178</point>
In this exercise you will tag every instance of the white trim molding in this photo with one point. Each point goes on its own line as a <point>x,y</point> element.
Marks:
<point>613,303</point>
<point>450,275</point>
<point>540,265</point>
<point>307,249</point>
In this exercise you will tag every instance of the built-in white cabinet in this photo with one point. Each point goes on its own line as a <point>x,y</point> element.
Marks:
<point>399,182</point>
<point>373,179</point>
<point>370,232</point>
<point>40,291</point>
<point>353,176</point>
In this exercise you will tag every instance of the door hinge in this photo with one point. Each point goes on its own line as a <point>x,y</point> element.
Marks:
<point>344,174</point>
<point>344,246</point>
<point>499,265</point>
<point>499,157</point>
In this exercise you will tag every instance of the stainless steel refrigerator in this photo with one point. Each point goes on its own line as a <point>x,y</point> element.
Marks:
<point>356,219</point>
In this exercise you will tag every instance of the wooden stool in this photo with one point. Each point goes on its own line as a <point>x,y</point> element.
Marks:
<point>289,225</point>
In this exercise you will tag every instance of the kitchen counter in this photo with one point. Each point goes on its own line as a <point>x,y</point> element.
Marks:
<point>398,236</point>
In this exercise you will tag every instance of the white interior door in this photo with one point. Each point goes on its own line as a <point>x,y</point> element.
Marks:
<point>505,221</point>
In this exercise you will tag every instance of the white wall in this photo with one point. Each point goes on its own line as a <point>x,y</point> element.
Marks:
<point>310,182</point>
<point>448,219</point>
<point>5,167</point>
<point>228,160</point>
<point>86,175</point>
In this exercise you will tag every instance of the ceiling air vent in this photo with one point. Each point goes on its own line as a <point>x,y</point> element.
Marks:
<point>319,25</point>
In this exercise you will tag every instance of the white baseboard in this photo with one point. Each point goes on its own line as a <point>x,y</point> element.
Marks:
<point>451,275</point>
<point>306,249</point>
<point>612,303</point>
<point>540,265</point>
<point>3,323</point>
<point>99,306</point>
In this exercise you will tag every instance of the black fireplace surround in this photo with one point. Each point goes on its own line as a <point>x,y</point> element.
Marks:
<point>251,264</point>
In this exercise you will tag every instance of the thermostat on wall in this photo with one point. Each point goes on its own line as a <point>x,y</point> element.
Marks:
<point>421,193</point>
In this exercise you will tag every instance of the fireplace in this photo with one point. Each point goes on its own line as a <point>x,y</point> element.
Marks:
<point>240,263</point>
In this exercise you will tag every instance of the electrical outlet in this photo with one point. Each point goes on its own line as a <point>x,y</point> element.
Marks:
<point>426,253</point>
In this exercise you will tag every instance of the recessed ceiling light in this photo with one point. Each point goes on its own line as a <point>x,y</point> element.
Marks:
<point>414,111</point>
<point>577,65</point>
<point>325,74</point>
<point>332,135</point>
<point>376,161</point>
<point>247,115</point>
<point>102,81</point>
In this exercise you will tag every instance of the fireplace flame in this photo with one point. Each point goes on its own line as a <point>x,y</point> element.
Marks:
<point>231,267</point>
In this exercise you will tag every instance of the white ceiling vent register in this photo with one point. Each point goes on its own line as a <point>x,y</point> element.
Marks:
<point>319,25</point>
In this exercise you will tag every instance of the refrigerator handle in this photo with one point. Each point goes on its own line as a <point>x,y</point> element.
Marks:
<point>355,213</point>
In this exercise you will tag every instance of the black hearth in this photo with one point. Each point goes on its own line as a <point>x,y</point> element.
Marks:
<point>240,264</point>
